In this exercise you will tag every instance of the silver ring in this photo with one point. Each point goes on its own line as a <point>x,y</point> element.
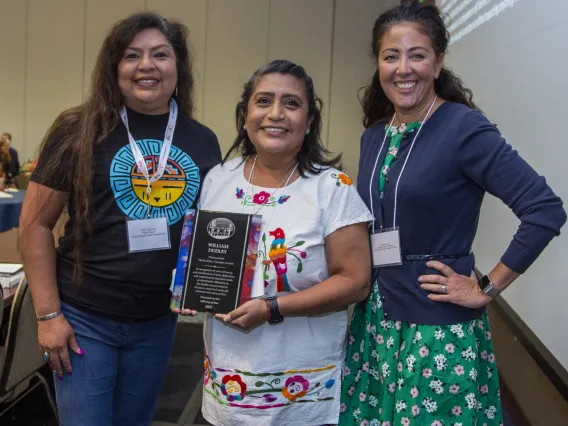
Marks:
<point>46,356</point>
<point>444,289</point>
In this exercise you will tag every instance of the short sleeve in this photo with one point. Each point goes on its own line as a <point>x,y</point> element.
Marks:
<point>58,177</point>
<point>207,182</point>
<point>340,202</point>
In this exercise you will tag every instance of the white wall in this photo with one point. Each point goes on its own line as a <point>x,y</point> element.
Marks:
<point>516,64</point>
<point>48,50</point>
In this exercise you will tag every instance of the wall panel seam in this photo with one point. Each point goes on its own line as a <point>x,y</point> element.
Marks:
<point>83,87</point>
<point>26,42</point>
<point>205,60</point>
<point>269,31</point>
<point>330,84</point>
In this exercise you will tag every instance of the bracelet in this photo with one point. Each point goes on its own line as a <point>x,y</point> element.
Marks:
<point>49,316</point>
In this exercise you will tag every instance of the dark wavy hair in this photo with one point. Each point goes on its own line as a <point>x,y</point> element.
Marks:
<point>448,86</point>
<point>76,131</point>
<point>313,154</point>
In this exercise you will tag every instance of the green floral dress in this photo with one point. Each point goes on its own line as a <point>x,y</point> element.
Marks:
<point>399,373</point>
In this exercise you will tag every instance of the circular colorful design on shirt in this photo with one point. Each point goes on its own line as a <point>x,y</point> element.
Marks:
<point>167,190</point>
<point>171,196</point>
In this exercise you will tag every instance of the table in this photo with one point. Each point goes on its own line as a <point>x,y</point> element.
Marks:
<point>10,209</point>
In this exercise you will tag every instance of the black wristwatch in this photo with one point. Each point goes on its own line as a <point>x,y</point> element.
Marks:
<point>487,287</point>
<point>274,316</point>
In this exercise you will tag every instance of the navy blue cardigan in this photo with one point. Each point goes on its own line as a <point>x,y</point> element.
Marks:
<point>458,156</point>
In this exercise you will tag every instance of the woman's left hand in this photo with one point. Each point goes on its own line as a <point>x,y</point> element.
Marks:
<point>453,287</point>
<point>251,314</point>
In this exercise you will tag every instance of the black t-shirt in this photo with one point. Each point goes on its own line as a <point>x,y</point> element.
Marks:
<point>123,286</point>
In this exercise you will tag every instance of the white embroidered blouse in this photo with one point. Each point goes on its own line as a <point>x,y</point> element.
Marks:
<point>289,373</point>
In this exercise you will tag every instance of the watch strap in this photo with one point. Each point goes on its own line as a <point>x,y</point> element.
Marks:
<point>487,286</point>
<point>491,291</point>
<point>274,316</point>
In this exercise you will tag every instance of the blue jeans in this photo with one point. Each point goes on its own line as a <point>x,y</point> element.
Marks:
<point>117,381</point>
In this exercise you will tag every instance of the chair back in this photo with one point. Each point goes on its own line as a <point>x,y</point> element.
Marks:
<point>22,355</point>
<point>1,309</point>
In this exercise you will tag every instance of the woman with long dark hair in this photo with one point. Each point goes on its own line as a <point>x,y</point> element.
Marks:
<point>420,350</point>
<point>277,359</point>
<point>128,162</point>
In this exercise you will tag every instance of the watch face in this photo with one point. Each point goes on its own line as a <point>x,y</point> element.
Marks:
<point>484,282</point>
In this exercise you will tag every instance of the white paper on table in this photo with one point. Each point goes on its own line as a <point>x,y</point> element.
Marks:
<point>10,268</point>
<point>4,194</point>
<point>11,281</point>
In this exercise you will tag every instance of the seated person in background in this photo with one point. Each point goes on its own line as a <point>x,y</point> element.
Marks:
<point>7,175</point>
<point>13,153</point>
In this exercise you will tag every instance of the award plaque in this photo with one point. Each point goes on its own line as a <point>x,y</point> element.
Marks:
<point>216,262</point>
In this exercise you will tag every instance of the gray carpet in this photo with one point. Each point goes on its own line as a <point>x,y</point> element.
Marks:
<point>184,372</point>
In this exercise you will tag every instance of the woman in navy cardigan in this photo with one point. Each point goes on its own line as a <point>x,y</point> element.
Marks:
<point>420,350</point>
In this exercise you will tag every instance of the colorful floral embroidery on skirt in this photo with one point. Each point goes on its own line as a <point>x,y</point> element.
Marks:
<point>269,390</point>
<point>399,373</point>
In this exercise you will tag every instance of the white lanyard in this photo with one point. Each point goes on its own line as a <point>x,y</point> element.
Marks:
<point>164,153</point>
<point>403,166</point>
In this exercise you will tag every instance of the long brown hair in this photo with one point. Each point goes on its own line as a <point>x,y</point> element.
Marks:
<point>448,86</point>
<point>76,131</point>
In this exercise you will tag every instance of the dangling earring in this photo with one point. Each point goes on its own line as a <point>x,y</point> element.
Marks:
<point>308,132</point>
<point>244,126</point>
<point>176,91</point>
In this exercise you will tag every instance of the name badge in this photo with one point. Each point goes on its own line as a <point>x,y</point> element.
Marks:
<point>148,234</point>
<point>386,248</point>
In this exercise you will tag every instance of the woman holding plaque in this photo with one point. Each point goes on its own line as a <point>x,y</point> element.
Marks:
<point>127,163</point>
<point>277,359</point>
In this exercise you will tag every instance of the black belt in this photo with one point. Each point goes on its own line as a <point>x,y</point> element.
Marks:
<point>422,257</point>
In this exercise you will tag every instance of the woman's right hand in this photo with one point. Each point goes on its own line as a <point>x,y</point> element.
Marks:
<point>54,336</point>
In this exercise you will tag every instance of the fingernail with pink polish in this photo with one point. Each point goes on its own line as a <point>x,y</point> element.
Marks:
<point>80,351</point>
<point>60,377</point>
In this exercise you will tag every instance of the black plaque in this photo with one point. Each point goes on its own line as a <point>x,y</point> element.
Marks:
<point>218,266</point>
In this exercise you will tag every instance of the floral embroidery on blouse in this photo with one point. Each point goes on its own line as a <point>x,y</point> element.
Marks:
<point>260,198</point>
<point>277,256</point>
<point>295,387</point>
<point>342,178</point>
<point>269,390</point>
<point>233,388</point>
<point>206,371</point>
